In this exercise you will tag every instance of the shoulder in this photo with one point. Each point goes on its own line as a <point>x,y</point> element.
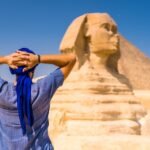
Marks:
<point>55,76</point>
<point>48,85</point>
<point>57,72</point>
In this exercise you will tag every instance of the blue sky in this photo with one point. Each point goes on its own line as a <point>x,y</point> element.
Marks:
<point>41,24</point>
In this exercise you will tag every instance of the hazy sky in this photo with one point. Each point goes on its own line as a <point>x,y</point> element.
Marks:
<point>41,24</point>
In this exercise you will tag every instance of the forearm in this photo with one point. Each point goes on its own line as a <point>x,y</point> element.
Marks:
<point>58,59</point>
<point>3,60</point>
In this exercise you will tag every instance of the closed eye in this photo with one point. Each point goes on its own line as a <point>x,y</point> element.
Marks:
<point>105,26</point>
<point>109,27</point>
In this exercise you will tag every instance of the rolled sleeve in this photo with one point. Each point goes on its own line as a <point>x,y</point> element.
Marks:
<point>58,77</point>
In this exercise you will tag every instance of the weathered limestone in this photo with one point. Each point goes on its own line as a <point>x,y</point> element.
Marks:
<point>144,97</point>
<point>103,142</point>
<point>95,99</point>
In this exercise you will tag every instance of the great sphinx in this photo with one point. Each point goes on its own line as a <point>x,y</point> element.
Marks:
<point>95,99</point>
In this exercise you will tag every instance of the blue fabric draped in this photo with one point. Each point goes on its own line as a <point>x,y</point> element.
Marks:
<point>23,90</point>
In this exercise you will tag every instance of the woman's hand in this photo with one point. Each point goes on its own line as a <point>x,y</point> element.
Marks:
<point>15,60</point>
<point>31,59</point>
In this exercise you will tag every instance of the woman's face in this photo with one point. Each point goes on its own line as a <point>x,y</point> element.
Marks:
<point>102,37</point>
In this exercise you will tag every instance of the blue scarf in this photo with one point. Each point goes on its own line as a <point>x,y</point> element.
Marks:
<point>23,89</point>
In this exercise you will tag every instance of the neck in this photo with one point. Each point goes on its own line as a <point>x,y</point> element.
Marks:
<point>98,61</point>
<point>31,74</point>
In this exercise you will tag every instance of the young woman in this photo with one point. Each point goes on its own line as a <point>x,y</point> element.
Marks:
<point>24,106</point>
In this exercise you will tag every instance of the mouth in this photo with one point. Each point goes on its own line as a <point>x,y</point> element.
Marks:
<point>116,43</point>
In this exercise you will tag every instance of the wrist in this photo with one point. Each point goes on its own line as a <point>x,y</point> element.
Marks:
<point>39,59</point>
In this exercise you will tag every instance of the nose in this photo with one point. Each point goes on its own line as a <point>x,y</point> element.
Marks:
<point>115,38</point>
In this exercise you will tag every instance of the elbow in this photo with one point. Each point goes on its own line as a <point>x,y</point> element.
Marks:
<point>73,58</point>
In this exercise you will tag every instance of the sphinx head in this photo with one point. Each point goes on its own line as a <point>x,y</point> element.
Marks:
<point>101,34</point>
<point>94,33</point>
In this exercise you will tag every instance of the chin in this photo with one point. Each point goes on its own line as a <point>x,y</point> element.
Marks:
<point>113,50</point>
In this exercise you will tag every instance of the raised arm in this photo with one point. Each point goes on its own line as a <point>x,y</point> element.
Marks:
<point>64,61</point>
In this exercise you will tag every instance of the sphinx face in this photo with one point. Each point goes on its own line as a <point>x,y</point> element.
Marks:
<point>102,36</point>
